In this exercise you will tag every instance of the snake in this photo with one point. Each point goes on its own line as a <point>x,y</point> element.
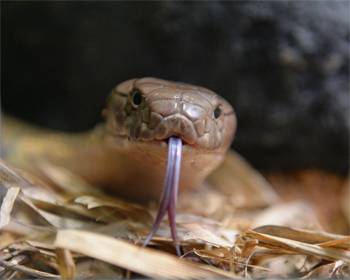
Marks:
<point>127,154</point>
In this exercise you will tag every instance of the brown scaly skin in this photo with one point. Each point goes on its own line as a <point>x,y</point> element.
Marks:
<point>127,154</point>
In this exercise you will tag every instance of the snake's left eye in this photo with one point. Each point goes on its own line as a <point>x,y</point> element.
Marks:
<point>217,112</point>
<point>136,97</point>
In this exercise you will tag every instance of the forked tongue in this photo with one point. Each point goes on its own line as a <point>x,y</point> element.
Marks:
<point>170,190</point>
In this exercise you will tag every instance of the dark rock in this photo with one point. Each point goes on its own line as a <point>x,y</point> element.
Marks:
<point>283,65</point>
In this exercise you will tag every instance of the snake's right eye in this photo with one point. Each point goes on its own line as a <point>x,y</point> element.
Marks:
<point>217,112</point>
<point>136,98</point>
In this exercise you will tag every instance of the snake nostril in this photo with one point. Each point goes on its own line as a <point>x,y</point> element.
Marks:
<point>155,120</point>
<point>200,126</point>
<point>146,115</point>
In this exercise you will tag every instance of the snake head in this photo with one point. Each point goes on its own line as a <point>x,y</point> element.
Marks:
<point>152,110</point>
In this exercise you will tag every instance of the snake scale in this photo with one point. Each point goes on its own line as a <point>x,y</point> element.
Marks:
<point>127,154</point>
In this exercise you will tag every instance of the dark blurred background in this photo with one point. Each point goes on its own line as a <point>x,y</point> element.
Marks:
<point>284,66</point>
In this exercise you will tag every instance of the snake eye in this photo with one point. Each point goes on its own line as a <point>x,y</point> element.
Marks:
<point>136,98</point>
<point>217,112</point>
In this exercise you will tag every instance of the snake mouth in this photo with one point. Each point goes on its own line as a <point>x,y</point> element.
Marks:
<point>184,143</point>
<point>186,146</point>
<point>164,144</point>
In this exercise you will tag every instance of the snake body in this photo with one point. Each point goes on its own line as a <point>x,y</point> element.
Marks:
<point>127,153</point>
